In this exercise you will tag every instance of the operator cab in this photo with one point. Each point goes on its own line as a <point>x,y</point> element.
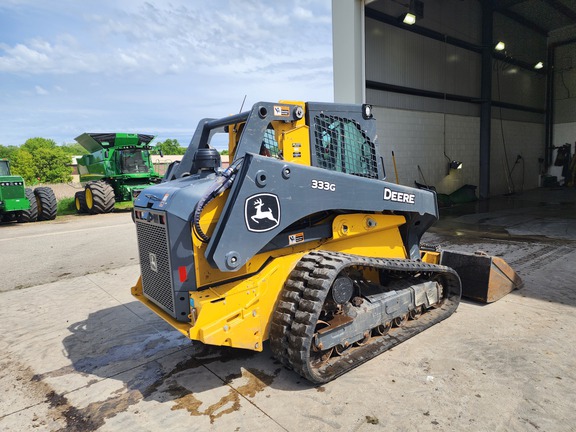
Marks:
<point>132,161</point>
<point>4,168</point>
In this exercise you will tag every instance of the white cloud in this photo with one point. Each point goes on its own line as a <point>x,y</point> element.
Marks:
<point>40,91</point>
<point>165,39</point>
<point>304,14</point>
<point>155,66</point>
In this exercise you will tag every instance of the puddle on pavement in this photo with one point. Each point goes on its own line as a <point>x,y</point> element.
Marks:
<point>153,383</point>
<point>256,381</point>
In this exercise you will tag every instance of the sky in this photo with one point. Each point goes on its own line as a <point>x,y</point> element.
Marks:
<point>154,67</point>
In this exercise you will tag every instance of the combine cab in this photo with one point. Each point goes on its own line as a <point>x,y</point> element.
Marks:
<point>117,169</point>
<point>300,241</point>
<point>22,204</point>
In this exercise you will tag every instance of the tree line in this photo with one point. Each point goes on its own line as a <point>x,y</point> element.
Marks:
<point>41,160</point>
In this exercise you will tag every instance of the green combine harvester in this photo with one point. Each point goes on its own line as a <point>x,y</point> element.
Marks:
<point>116,170</point>
<point>21,204</point>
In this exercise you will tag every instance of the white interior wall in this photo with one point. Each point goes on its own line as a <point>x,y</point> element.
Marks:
<point>511,139</point>
<point>418,139</point>
<point>565,133</point>
<point>564,103</point>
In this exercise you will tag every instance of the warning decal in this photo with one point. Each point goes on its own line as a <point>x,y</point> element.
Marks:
<point>164,200</point>
<point>295,238</point>
<point>281,111</point>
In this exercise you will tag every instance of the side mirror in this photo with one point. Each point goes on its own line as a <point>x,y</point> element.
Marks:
<point>106,154</point>
<point>160,153</point>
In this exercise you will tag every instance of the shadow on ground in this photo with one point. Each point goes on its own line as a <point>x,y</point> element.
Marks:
<point>154,362</point>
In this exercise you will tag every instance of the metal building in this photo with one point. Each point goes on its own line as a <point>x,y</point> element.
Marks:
<point>487,86</point>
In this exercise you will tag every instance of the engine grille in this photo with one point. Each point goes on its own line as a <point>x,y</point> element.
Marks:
<point>155,263</point>
<point>11,190</point>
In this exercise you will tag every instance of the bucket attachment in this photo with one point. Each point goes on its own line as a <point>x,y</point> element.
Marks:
<point>484,278</point>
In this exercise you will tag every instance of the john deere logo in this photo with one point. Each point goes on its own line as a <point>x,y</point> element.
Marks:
<point>153,262</point>
<point>262,212</point>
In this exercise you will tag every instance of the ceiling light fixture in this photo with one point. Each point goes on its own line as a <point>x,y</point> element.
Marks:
<point>500,46</point>
<point>539,65</point>
<point>409,18</point>
<point>415,11</point>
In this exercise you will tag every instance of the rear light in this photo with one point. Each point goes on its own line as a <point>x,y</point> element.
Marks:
<point>182,273</point>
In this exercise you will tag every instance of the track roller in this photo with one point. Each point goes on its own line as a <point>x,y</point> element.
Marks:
<point>331,318</point>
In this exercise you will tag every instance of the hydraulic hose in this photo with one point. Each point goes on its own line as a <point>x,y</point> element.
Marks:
<point>222,183</point>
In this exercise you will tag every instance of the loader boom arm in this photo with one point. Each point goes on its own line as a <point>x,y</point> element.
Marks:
<point>297,193</point>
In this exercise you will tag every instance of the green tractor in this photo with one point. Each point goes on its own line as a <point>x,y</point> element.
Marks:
<point>117,169</point>
<point>22,204</point>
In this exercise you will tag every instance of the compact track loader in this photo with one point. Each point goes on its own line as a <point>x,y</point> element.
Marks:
<point>300,241</point>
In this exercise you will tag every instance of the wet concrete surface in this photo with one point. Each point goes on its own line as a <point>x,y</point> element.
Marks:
<point>79,354</point>
<point>541,213</point>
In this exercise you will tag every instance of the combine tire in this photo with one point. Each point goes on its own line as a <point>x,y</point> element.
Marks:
<point>31,214</point>
<point>46,202</point>
<point>80,202</point>
<point>99,197</point>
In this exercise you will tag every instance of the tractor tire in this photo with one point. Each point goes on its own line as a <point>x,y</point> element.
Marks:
<point>99,197</point>
<point>30,215</point>
<point>47,204</point>
<point>80,202</point>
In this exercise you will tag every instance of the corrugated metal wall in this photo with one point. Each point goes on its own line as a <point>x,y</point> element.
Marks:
<point>426,130</point>
<point>511,83</point>
<point>565,84</point>
<point>399,57</point>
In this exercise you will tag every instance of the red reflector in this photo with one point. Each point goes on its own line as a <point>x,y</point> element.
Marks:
<point>182,273</point>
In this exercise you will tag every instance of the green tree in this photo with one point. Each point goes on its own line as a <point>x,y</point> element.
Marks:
<point>22,164</point>
<point>41,160</point>
<point>33,144</point>
<point>53,165</point>
<point>169,147</point>
<point>6,152</point>
<point>74,149</point>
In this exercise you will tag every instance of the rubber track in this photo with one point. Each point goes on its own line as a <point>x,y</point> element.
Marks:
<point>294,320</point>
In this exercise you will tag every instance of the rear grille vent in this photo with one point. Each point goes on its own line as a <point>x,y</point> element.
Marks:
<point>155,264</point>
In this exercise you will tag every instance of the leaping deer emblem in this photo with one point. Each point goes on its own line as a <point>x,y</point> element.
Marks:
<point>267,214</point>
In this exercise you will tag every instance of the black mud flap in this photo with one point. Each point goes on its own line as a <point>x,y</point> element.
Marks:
<point>484,278</point>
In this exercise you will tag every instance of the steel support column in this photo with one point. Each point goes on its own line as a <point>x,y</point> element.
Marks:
<point>348,51</point>
<point>486,97</point>
<point>549,141</point>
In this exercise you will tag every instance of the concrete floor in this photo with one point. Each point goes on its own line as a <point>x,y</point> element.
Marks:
<point>79,354</point>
